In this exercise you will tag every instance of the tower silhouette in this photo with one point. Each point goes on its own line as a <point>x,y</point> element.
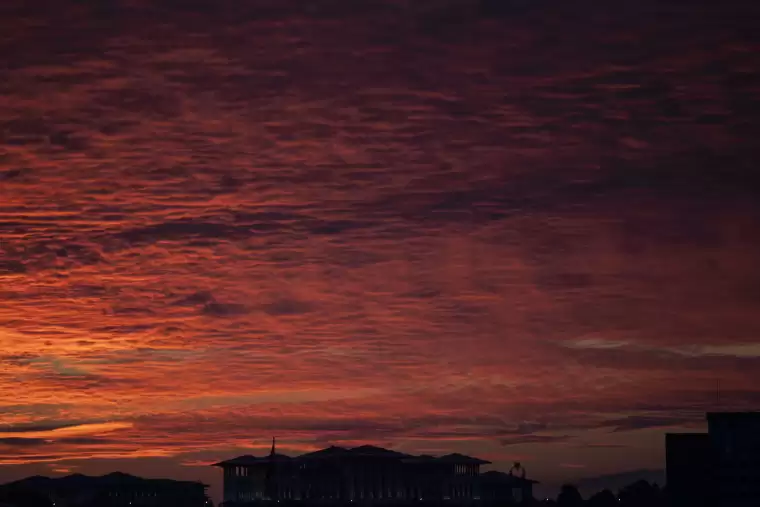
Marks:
<point>270,482</point>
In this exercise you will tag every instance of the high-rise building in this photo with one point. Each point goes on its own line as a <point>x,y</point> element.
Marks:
<point>735,438</point>
<point>719,468</point>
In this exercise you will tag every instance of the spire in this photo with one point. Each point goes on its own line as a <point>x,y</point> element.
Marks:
<point>270,481</point>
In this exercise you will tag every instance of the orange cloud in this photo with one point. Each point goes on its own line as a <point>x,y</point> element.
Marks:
<point>267,225</point>
<point>70,431</point>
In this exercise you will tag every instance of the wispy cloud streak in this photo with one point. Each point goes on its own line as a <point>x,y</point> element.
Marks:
<point>495,231</point>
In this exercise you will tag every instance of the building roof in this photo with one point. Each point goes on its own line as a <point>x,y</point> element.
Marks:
<point>371,450</point>
<point>733,416</point>
<point>361,451</point>
<point>462,459</point>
<point>683,437</point>
<point>494,477</point>
<point>249,460</point>
<point>329,452</point>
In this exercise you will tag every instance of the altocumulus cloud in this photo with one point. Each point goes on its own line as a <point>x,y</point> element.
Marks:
<point>285,221</point>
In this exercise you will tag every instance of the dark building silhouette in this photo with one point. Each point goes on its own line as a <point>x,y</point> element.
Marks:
<point>270,476</point>
<point>688,461</point>
<point>735,438</point>
<point>112,490</point>
<point>499,488</point>
<point>366,474</point>
<point>718,468</point>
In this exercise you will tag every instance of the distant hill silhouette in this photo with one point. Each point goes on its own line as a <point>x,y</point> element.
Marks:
<point>79,481</point>
<point>114,488</point>
<point>614,482</point>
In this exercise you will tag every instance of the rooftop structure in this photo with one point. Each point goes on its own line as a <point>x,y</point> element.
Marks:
<point>366,474</point>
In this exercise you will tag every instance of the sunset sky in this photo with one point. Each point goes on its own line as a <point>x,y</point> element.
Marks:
<point>524,231</point>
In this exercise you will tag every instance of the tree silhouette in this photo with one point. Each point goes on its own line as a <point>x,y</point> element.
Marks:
<point>604,498</point>
<point>569,496</point>
<point>640,493</point>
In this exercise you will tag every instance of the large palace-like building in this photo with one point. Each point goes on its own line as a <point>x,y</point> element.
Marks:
<point>366,474</point>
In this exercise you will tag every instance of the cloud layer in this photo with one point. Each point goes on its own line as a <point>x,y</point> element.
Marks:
<point>514,231</point>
